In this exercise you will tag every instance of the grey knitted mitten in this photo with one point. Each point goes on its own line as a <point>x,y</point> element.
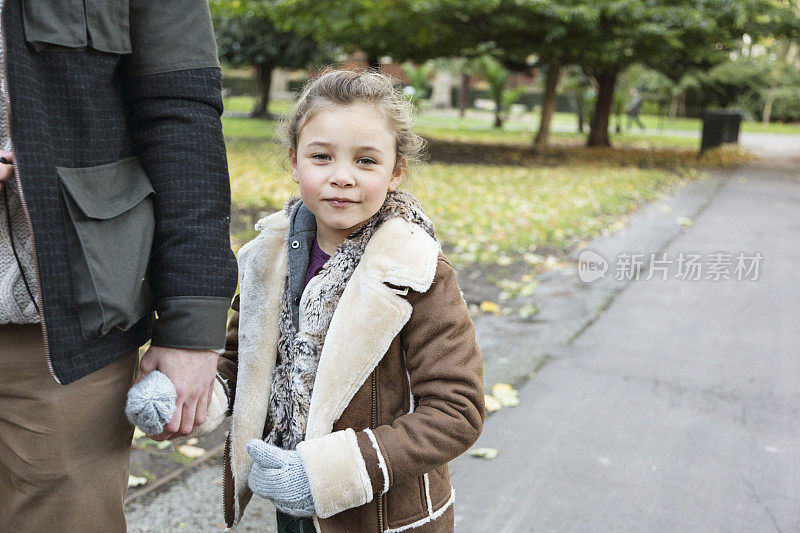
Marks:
<point>151,403</point>
<point>280,476</point>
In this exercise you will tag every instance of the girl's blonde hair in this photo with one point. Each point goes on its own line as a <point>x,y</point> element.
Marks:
<point>347,87</point>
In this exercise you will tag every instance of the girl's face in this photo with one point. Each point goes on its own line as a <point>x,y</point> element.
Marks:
<point>344,164</point>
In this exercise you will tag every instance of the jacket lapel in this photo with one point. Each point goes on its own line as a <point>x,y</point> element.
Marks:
<point>263,265</point>
<point>369,316</point>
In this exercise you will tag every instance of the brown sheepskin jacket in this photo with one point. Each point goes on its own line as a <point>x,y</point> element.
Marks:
<point>398,391</point>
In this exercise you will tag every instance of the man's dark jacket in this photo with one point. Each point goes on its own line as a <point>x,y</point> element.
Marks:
<point>115,124</point>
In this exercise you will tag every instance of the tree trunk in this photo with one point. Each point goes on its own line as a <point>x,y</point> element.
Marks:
<point>673,108</point>
<point>767,111</point>
<point>498,119</point>
<point>463,94</point>
<point>373,63</point>
<point>768,106</point>
<point>264,77</point>
<point>598,129</point>
<point>548,105</point>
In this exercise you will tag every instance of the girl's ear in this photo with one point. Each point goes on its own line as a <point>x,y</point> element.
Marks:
<point>397,173</point>
<point>293,165</point>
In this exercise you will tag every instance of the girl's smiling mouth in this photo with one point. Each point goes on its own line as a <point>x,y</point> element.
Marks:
<point>339,202</point>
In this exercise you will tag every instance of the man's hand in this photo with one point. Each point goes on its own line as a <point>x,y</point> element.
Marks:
<point>193,373</point>
<point>6,170</point>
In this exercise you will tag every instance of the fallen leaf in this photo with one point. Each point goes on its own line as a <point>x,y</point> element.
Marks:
<point>491,403</point>
<point>134,481</point>
<point>138,433</point>
<point>192,442</point>
<point>163,444</point>
<point>190,451</point>
<point>491,307</point>
<point>528,311</point>
<point>505,394</point>
<point>484,453</point>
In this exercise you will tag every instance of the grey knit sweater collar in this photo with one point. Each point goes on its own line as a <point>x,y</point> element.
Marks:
<point>16,306</point>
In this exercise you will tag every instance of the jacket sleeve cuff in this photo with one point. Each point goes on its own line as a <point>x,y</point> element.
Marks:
<point>336,472</point>
<point>191,322</point>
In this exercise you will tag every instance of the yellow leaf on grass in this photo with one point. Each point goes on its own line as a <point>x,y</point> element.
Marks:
<point>193,452</point>
<point>484,453</point>
<point>134,481</point>
<point>491,307</point>
<point>137,433</point>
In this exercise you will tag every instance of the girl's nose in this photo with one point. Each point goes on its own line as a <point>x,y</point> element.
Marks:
<point>343,177</point>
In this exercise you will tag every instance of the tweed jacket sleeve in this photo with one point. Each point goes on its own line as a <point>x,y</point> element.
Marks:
<point>172,85</point>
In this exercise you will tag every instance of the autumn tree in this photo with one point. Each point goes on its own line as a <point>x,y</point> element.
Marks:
<point>246,36</point>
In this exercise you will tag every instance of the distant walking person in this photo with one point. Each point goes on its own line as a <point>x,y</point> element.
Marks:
<point>633,110</point>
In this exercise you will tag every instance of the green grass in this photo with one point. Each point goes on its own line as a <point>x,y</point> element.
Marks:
<point>489,194</point>
<point>243,104</point>
<point>482,212</point>
<point>529,122</point>
<point>248,128</point>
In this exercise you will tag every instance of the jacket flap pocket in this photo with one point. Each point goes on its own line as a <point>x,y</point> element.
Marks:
<point>56,22</point>
<point>108,22</point>
<point>103,25</point>
<point>106,191</point>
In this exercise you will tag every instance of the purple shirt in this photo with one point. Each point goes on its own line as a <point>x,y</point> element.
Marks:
<point>316,260</point>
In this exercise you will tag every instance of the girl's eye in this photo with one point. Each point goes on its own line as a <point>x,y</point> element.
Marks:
<point>320,156</point>
<point>367,160</point>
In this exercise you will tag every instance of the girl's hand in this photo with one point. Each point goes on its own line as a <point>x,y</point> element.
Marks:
<point>279,475</point>
<point>6,170</point>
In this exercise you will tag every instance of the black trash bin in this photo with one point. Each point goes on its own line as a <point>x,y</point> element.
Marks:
<point>720,127</point>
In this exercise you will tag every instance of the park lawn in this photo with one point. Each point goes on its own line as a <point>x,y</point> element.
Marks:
<point>483,213</point>
<point>529,122</point>
<point>243,104</point>
<point>451,130</point>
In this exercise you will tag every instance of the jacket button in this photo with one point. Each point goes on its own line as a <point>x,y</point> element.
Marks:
<point>296,300</point>
<point>295,245</point>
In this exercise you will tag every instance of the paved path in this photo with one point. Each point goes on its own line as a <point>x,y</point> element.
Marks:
<point>678,409</point>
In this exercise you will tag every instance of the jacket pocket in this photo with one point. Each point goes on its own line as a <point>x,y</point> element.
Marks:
<point>103,25</point>
<point>110,229</point>
<point>405,502</point>
<point>439,486</point>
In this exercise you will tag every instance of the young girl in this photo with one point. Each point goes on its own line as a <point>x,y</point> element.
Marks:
<point>351,368</point>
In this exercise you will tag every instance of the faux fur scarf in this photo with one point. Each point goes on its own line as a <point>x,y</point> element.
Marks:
<point>299,351</point>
